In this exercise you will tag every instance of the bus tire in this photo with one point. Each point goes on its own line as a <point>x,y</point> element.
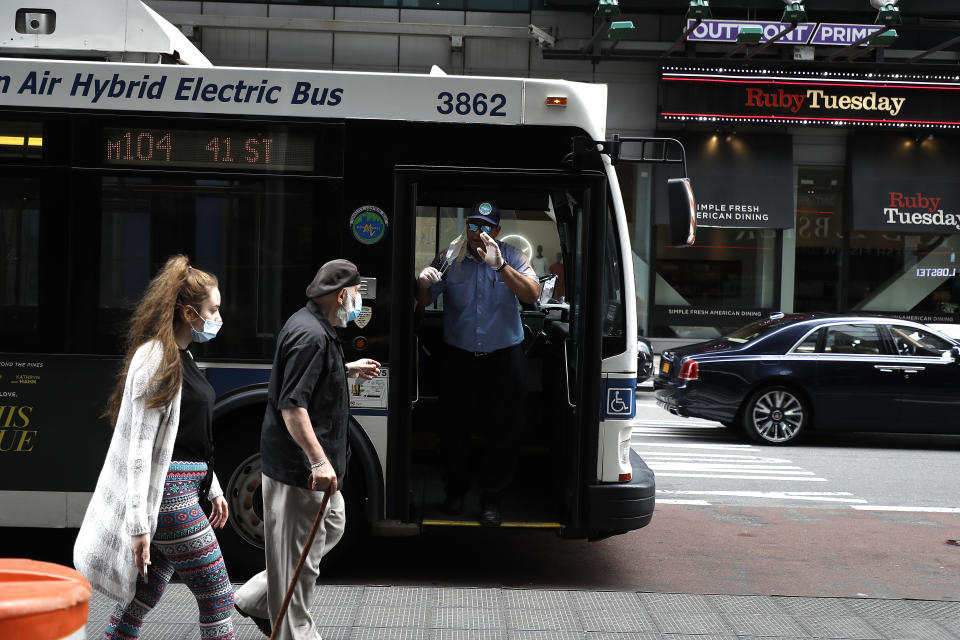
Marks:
<point>238,468</point>
<point>356,528</point>
<point>237,462</point>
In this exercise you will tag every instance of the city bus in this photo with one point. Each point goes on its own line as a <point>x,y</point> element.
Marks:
<point>261,175</point>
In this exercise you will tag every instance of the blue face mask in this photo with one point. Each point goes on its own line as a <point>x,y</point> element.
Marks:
<point>210,329</point>
<point>354,312</point>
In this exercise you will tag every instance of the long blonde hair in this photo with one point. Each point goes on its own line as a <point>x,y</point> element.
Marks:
<point>155,318</point>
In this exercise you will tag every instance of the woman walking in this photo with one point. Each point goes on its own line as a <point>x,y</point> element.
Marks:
<point>144,517</point>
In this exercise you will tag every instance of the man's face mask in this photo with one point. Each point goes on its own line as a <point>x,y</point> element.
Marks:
<point>353,307</point>
<point>350,310</point>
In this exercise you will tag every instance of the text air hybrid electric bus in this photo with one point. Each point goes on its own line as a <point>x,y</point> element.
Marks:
<point>260,176</point>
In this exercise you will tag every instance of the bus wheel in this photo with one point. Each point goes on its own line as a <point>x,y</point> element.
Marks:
<point>241,539</point>
<point>356,530</point>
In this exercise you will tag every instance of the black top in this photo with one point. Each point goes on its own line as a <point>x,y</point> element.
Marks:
<point>194,441</point>
<point>308,372</point>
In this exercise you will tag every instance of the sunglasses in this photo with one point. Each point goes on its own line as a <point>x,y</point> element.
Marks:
<point>486,228</point>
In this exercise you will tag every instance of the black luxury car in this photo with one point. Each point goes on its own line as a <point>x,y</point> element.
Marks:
<point>780,377</point>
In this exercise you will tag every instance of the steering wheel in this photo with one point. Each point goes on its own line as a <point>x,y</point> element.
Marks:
<point>904,348</point>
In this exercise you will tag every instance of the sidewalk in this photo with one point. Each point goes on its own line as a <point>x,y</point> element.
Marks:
<point>433,613</point>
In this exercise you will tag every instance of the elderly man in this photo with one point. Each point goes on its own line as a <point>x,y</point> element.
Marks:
<point>303,445</point>
<point>483,360</point>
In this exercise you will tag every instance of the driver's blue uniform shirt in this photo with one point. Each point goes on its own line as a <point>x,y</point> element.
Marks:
<point>480,313</point>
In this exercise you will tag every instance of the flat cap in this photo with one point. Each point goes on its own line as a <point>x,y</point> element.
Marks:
<point>333,276</point>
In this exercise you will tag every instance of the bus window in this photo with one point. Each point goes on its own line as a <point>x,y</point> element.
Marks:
<point>20,207</point>
<point>614,314</point>
<point>533,232</point>
<point>261,238</point>
<point>436,230</point>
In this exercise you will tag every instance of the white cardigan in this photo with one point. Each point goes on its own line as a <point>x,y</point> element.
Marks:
<point>126,501</point>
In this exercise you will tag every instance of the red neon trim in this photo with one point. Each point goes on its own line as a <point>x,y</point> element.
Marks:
<point>828,213</point>
<point>816,84</point>
<point>755,117</point>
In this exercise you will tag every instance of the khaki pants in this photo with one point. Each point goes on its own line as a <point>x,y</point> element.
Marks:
<point>288,516</point>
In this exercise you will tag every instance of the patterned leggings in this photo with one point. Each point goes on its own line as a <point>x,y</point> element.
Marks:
<point>185,543</point>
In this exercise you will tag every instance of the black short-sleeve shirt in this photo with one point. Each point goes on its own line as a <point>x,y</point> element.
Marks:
<point>308,372</point>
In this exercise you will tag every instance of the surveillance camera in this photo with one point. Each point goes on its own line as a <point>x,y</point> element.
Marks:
<point>544,38</point>
<point>879,4</point>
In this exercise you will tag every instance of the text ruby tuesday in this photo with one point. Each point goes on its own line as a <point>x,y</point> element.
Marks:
<point>815,99</point>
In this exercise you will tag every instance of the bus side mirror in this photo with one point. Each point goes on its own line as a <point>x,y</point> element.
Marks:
<point>683,212</point>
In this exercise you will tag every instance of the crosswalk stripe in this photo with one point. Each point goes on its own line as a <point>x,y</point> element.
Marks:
<point>710,457</point>
<point>813,496</point>
<point>671,474</point>
<point>706,466</point>
<point>873,507</point>
<point>727,447</point>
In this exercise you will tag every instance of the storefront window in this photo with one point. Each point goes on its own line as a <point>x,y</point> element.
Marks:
<point>819,238</point>
<point>901,273</point>
<point>725,281</point>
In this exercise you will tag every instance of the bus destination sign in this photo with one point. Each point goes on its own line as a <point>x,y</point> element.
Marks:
<point>173,148</point>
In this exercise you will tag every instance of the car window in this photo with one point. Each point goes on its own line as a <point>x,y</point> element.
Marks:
<point>911,341</point>
<point>759,329</point>
<point>809,344</point>
<point>852,338</point>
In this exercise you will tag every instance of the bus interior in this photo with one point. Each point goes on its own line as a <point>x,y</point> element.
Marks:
<point>542,216</point>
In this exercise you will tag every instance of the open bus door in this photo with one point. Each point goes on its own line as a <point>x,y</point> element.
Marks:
<point>562,341</point>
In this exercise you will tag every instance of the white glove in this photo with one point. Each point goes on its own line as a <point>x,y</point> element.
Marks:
<point>492,255</point>
<point>428,277</point>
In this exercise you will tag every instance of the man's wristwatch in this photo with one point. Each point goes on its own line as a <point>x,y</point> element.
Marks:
<point>502,265</point>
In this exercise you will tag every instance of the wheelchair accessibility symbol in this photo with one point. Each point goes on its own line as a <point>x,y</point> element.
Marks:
<point>619,402</point>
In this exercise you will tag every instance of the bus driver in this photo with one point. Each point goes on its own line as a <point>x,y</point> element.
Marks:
<point>482,330</point>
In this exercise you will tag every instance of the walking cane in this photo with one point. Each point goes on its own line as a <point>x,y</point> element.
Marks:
<point>303,559</point>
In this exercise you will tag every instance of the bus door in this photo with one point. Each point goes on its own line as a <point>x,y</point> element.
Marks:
<point>557,218</point>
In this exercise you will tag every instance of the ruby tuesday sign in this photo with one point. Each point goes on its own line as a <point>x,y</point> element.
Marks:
<point>899,184</point>
<point>919,210</point>
<point>819,100</point>
<point>809,98</point>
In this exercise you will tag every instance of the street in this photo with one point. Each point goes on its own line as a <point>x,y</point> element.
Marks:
<point>844,515</point>
<point>702,462</point>
<point>841,515</point>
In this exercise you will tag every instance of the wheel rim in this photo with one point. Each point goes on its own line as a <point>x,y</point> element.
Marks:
<point>777,416</point>
<point>240,492</point>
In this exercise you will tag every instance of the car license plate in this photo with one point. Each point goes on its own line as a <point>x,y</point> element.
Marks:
<point>666,367</point>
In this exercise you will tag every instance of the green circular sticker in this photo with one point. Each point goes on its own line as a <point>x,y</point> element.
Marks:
<point>368,224</point>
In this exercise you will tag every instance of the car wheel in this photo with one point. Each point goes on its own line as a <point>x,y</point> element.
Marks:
<point>776,415</point>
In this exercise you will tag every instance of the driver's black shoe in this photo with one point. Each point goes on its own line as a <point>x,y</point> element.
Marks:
<point>490,513</point>
<point>262,623</point>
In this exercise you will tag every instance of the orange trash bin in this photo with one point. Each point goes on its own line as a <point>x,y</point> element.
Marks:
<point>42,601</point>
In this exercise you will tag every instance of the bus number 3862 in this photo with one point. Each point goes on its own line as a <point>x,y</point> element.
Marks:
<point>477,104</point>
